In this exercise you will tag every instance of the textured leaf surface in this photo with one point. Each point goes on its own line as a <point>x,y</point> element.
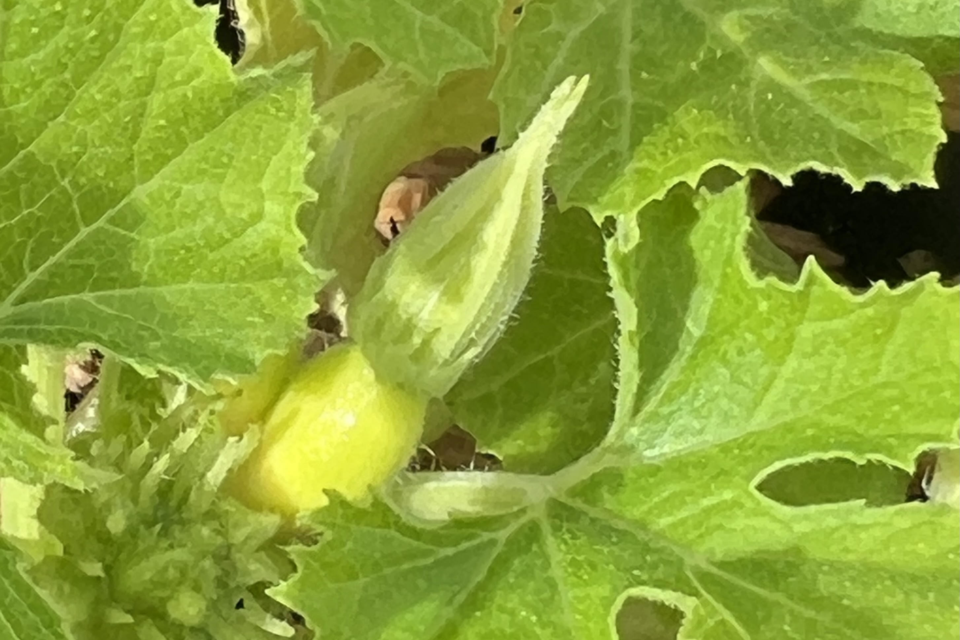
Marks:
<point>748,356</point>
<point>24,454</point>
<point>30,459</point>
<point>688,528</point>
<point>425,37</point>
<point>912,18</point>
<point>24,615</point>
<point>146,192</point>
<point>544,394</point>
<point>16,392</point>
<point>678,87</point>
<point>160,552</point>
<point>277,32</point>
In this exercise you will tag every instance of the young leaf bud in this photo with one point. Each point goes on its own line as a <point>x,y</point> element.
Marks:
<point>442,294</point>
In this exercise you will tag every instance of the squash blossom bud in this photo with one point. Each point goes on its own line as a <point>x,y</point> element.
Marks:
<point>441,295</point>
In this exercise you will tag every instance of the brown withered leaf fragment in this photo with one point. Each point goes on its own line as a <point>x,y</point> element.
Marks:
<point>801,244</point>
<point>80,376</point>
<point>950,107</point>
<point>401,201</point>
<point>763,190</point>
<point>418,183</point>
<point>454,450</point>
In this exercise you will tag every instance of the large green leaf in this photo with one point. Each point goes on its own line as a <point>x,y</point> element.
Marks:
<point>751,356</point>
<point>667,510</point>
<point>680,86</point>
<point>147,196</point>
<point>24,615</point>
<point>422,36</point>
<point>544,394</point>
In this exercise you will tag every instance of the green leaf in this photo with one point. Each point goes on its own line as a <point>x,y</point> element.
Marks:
<point>562,570</point>
<point>18,509</point>
<point>369,135</point>
<point>427,38</point>
<point>278,32</point>
<point>746,377</point>
<point>678,87</point>
<point>544,394</point>
<point>45,369</point>
<point>275,31</point>
<point>25,454</point>
<point>29,459</point>
<point>148,190</point>
<point>911,18</point>
<point>880,369</point>
<point>24,614</point>
<point>16,392</point>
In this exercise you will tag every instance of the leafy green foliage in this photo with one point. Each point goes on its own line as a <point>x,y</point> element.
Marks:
<point>448,36</point>
<point>29,458</point>
<point>912,18</point>
<point>16,392</point>
<point>561,570</point>
<point>373,132</point>
<point>25,453</point>
<point>680,87</point>
<point>785,366</point>
<point>694,411</point>
<point>24,615</point>
<point>667,508</point>
<point>544,394</point>
<point>158,552</point>
<point>438,300</point>
<point>147,190</point>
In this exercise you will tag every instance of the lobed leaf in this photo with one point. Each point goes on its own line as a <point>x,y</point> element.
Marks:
<point>147,190</point>
<point>876,373</point>
<point>679,87</point>
<point>724,379</point>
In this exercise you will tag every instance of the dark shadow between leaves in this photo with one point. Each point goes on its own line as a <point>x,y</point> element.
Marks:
<point>836,480</point>
<point>645,619</point>
<point>862,237</point>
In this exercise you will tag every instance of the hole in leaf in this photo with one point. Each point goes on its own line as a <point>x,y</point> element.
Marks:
<point>489,146</point>
<point>834,480</point>
<point>924,467</point>
<point>228,35</point>
<point>645,619</point>
<point>454,450</point>
<point>876,234</point>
